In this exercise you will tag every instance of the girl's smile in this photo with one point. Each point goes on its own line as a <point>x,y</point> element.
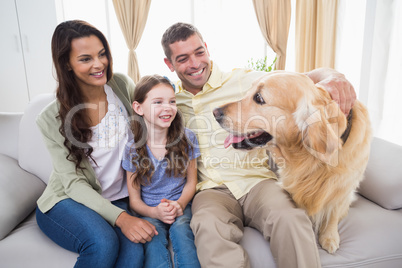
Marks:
<point>165,118</point>
<point>159,107</point>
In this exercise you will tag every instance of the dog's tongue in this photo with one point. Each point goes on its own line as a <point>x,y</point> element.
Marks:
<point>232,139</point>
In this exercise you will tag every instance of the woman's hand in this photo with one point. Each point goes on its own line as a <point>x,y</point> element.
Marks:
<point>135,229</point>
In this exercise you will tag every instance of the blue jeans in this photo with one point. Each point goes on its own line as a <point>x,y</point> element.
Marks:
<point>77,228</point>
<point>157,254</point>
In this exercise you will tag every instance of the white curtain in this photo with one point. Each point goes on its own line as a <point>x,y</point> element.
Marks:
<point>315,34</point>
<point>132,16</point>
<point>274,19</point>
<point>381,74</point>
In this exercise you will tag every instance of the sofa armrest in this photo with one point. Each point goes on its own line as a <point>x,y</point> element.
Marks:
<point>9,129</point>
<point>19,191</point>
<point>383,177</point>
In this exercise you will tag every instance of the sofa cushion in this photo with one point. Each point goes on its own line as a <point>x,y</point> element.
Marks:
<point>370,236</point>
<point>27,246</point>
<point>383,177</point>
<point>19,191</point>
<point>33,155</point>
<point>257,248</point>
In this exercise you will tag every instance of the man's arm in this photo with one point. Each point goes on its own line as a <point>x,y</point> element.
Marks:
<point>340,89</point>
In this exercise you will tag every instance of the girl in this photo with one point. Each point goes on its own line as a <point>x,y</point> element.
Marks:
<point>85,205</point>
<point>162,172</point>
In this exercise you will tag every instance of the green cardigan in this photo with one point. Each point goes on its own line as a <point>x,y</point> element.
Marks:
<point>65,182</point>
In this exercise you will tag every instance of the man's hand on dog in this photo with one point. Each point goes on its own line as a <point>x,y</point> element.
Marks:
<point>340,89</point>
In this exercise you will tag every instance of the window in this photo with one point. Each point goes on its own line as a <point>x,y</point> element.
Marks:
<point>370,55</point>
<point>229,27</point>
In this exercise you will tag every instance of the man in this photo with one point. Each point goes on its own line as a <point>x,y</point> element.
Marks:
<point>237,188</point>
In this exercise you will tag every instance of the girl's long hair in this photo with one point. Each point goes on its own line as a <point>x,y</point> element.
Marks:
<point>178,146</point>
<point>75,123</point>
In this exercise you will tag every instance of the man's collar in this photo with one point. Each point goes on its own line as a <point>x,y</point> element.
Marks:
<point>179,87</point>
<point>215,79</point>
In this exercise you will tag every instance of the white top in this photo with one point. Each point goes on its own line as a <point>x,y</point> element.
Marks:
<point>108,142</point>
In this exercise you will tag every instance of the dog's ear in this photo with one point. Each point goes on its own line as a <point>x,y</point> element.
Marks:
<point>319,136</point>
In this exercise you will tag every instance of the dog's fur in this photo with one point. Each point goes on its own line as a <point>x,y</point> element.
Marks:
<point>301,126</point>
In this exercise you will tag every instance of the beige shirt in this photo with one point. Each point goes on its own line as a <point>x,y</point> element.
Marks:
<point>239,170</point>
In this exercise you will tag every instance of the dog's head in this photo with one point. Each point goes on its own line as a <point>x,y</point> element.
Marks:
<point>284,109</point>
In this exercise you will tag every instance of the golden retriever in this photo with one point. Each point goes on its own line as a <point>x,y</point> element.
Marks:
<point>321,155</point>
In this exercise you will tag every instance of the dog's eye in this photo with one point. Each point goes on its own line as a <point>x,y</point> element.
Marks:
<point>259,99</point>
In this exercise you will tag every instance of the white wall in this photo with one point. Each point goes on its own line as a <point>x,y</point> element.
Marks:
<point>26,28</point>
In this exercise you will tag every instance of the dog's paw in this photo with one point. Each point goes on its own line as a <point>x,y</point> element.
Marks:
<point>330,242</point>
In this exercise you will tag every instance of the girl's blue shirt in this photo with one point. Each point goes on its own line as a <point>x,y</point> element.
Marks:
<point>162,185</point>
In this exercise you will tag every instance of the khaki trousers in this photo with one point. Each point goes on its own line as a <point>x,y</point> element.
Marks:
<point>219,219</point>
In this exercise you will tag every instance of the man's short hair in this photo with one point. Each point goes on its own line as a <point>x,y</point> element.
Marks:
<point>177,32</point>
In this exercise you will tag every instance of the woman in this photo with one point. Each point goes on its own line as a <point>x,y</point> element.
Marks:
<point>85,206</point>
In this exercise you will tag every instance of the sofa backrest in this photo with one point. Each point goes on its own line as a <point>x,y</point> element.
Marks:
<point>9,133</point>
<point>33,155</point>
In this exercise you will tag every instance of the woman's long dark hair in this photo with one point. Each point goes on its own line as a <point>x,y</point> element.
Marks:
<point>75,123</point>
<point>177,145</point>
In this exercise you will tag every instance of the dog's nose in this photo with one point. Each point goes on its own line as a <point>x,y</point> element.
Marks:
<point>218,113</point>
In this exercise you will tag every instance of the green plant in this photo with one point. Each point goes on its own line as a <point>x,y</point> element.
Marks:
<point>261,64</point>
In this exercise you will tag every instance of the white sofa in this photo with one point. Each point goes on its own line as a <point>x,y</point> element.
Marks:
<point>371,235</point>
